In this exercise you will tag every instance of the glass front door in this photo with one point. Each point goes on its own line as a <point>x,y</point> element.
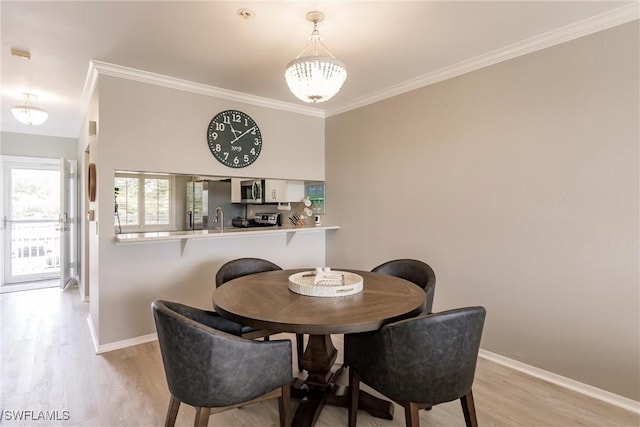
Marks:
<point>31,220</point>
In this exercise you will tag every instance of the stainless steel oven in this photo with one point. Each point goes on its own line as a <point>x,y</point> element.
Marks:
<point>252,191</point>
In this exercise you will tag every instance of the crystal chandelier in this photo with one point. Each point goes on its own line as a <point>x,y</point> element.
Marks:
<point>28,113</point>
<point>315,78</point>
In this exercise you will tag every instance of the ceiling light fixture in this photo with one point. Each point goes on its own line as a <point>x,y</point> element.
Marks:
<point>28,112</point>
<point>315,78</point>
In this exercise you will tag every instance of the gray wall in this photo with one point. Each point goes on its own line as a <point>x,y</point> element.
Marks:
<point>22,144</point>
<point>143,127</point>
<point>518,184</point>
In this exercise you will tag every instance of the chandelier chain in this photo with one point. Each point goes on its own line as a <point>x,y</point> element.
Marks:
<point>315,39</point>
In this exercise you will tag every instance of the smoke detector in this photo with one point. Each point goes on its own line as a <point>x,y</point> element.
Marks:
<point>246,13</point>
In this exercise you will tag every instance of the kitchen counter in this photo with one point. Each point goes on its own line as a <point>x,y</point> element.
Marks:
<point>232,232</point>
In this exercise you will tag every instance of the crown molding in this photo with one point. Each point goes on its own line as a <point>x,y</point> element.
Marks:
<point>104,68</point>
<point>560,35</point>
<point>87,92</point>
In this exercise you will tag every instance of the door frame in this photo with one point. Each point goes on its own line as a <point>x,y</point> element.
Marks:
<point>7,162</point>
<point>69,224</point>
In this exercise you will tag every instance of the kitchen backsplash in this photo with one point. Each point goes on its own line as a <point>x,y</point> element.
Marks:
<point>284,214</point>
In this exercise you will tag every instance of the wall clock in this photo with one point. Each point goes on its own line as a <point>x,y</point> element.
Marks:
<point>234,138</point>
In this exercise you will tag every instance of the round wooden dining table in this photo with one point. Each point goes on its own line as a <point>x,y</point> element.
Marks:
<point>264,301</point>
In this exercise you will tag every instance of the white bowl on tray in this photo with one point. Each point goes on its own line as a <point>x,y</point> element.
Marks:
<point>329,285</point>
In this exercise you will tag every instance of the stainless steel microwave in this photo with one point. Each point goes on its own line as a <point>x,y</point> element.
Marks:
<point>252,191</point>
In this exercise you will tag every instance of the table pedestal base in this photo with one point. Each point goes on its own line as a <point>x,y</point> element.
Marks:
<point>320,386</point>
<point>377,407</point>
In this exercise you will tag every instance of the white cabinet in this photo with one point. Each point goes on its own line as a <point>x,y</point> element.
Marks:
<point>236,194</point>
<point>283,191</point>
<point>294,191</point>
<point>274,190</point>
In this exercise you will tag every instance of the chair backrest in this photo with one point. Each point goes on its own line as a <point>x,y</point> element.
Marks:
<point>208,368</point>
<point>414,271</point>
<point>427,359</point>
<point>243,267</point>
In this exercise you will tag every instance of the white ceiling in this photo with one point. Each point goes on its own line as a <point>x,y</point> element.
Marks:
<point>387,46</point>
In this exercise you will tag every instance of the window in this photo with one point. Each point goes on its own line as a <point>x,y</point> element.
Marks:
<point>143,202</point>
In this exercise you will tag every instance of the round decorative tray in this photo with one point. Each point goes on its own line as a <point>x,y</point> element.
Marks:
<point>333,284</point>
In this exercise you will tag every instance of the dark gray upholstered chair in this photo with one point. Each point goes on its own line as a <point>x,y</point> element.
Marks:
<point>214,371</point>
<point>414,271</point>
<point>436,362</point>
<point>243,267</point>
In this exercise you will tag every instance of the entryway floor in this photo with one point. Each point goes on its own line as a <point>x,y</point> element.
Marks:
<point>29,286</point>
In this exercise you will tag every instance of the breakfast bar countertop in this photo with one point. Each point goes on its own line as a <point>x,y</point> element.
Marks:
<point>159,236</point>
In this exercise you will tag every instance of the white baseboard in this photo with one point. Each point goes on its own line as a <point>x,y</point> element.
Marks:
<point>126,343</point>
<point>94,336</point>
<point>117,345</point>
<point>568,383</point>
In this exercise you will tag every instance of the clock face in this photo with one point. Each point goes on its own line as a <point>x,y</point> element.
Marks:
<point>234,138</point>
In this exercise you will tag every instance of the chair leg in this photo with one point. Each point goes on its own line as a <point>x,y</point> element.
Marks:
<point>284,406</point>
<point>300,348</point>
<point>469,410</point>
<point>411,416</point>
<point>354,387</point>
<point>172,412</point>
<point>202,417</point>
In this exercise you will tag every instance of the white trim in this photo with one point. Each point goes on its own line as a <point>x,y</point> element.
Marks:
<point>94,335</point>
<point>564,34</point>
<point>30,161</point>
<point>122,72</point>
<point>126,343</point>
<point>87,93</point>
<point>568,383</point>
<point>118,345</point>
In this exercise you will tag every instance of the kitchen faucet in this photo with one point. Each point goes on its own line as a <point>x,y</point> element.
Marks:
<point>220,218</point>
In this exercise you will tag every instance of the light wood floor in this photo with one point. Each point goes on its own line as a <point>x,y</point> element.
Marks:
<point>48,364</point>
<point>29,286</point>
